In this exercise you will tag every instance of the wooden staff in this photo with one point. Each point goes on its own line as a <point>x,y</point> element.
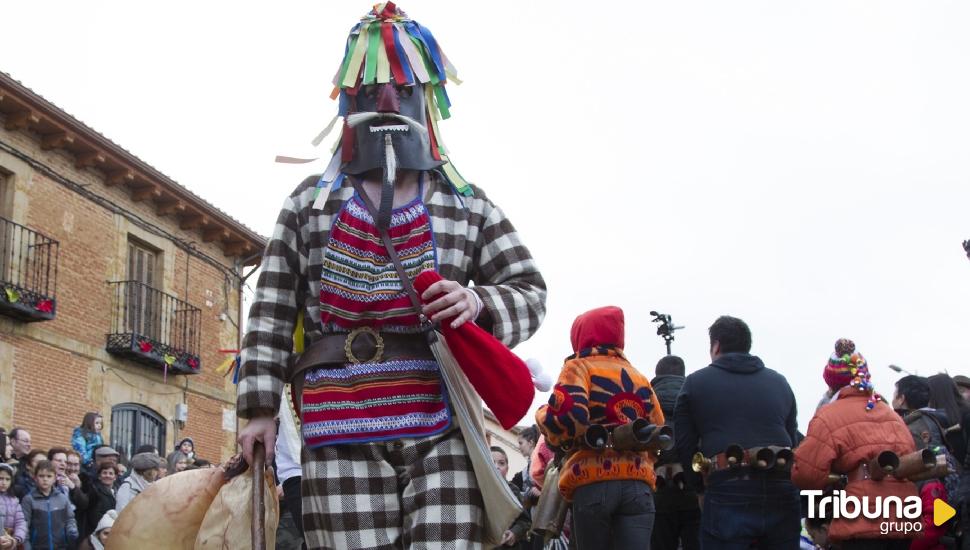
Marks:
<point>259,490</point>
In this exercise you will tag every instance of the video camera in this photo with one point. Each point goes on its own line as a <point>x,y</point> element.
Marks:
<point>666,328</point>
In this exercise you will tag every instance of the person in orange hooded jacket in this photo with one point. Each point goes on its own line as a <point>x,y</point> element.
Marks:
<point>611,490</point>
<point>851,430</point>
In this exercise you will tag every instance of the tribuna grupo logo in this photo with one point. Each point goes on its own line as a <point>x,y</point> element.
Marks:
<point>898,515</point>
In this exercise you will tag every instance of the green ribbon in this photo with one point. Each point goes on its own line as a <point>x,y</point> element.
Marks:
<point>343,69</point>
<point>439,95</point>
<point>373,44</point>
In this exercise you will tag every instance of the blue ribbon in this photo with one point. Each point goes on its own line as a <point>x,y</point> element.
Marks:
<point>405,64</point>
<point>424,35</point>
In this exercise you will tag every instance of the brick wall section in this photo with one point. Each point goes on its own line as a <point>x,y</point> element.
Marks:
<point>205,427</point>
<point>51,393</point>
<point>58,365</point>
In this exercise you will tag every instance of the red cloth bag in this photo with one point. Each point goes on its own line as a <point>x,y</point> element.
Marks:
<point>501,379</point>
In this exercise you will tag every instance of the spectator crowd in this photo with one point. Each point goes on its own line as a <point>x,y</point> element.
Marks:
<point>67,498</point>
<point>731,469</point>
<point>616,459</point>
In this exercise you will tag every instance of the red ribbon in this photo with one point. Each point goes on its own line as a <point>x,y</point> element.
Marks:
<point>387,35</point>
<point>347,143</point>
<point>389,11</point>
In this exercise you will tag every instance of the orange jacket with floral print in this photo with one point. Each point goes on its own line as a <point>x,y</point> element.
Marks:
<point>599,386</point>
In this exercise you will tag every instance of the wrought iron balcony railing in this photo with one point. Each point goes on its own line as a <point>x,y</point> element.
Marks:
<point>28,273</point>
<point>154,328</point>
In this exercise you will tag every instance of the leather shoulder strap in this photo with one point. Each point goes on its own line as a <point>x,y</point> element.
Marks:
<point>395,259</point>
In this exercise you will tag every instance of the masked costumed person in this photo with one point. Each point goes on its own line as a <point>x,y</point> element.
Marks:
<point>384,465</point>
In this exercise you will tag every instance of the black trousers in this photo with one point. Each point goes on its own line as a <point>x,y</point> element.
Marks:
<point>678,528</point>
<point>294,504</point>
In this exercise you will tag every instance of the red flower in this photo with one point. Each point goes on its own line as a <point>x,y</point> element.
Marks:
<point>45,306</point>
<point>145,346</point>
<point>193,363</point>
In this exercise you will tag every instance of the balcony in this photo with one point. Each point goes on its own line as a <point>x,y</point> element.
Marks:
<point>28,273</point>
<point>154,328</point>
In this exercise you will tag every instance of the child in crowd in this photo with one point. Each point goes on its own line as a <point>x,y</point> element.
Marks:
<point>87,437</point>
<point>50,519</point>
<point>13,527</point>
<point>184,452</point>
<point>518,530</point>
<point>611,489</point>
<point>99,538</point>
<point>178,462</point>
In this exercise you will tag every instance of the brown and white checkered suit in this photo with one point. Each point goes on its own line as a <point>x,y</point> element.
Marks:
<point>414,493</point>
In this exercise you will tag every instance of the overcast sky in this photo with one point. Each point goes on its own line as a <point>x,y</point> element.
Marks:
<point>801,165</point>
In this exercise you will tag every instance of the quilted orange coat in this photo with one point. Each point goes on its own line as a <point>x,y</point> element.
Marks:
<point>841,436</point>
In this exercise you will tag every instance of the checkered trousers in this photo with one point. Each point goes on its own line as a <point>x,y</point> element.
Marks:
<point>401,494</point>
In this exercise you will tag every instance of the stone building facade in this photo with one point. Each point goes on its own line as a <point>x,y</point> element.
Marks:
<point>118,289</point>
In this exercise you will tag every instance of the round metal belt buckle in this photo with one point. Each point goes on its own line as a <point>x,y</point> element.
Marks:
<point>378,346</point>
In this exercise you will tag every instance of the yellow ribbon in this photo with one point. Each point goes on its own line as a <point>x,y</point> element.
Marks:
<point>383,65</point>
<point>225,366</point>
<point>356,59</point>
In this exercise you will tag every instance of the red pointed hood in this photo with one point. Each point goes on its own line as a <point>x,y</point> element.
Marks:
<point>598,327</point>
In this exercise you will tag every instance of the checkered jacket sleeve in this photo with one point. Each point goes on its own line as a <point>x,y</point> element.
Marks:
<point>506,279</point>
<point>272,317</point>
<point>475,244</point>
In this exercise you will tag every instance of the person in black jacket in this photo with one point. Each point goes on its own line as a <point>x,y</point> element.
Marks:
<point>678,518</point>
<point>737,401</point>
<point>99,499</point>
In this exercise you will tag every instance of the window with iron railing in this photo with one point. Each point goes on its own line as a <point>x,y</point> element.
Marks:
<point>28,272</point>
<point>151,326</point>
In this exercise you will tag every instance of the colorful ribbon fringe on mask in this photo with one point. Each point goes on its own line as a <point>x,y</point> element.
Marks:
<point>387,45</point>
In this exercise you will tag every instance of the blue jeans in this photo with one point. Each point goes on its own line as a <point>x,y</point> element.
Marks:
<point>751,511</point>
<point>613,514</point>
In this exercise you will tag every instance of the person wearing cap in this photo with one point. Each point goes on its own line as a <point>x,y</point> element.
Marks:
<point>105,454</point>
<point>737,401</point>
<point>843,438</point>
<point>99,538</point>
<point>144,468</point>
<point>327,270</point>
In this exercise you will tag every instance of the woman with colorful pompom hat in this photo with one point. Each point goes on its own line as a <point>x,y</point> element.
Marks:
<point>843,438</point>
